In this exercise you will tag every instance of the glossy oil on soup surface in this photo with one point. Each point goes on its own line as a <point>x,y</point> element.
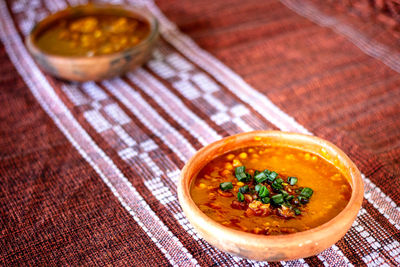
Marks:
<point>90,35</point>
<point>331,190</point>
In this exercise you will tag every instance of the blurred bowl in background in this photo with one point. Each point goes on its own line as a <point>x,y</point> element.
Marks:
<point>93,67</point>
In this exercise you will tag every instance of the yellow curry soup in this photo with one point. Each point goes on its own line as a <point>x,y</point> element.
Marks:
<point>301,191</point>
<point>92,34</point>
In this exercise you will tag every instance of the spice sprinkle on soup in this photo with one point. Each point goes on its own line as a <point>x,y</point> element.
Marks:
<point>270,190</point>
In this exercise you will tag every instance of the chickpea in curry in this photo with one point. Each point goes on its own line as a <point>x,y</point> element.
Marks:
<point>91,35</point>
<point>270,190</point>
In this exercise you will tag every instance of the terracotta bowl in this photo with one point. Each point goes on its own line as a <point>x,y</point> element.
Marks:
<point>85,68</point>
<point>280,247</point>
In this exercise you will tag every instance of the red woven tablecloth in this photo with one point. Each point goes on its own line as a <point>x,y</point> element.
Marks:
<point>89,171</point>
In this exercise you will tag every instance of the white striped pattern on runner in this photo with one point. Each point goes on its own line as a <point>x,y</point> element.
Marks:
<point>138,106</point>
<point>224,75</point>
<point>137,152</point>
<point>175,107</point>
<point>123,190</point>
<point>370,47</point>
<point>137,155</point>
<point>203,92</point>
<point>298,263</point>
<point>144,112</point>
<point>360,234</point>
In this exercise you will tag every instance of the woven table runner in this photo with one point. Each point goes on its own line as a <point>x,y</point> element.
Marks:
<point>89,170</point>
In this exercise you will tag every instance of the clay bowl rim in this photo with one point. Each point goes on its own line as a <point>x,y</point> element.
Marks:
<point>135,11</point>
<point>245,239</point>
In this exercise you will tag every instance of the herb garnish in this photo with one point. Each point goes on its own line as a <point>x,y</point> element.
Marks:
<point>267,193</point>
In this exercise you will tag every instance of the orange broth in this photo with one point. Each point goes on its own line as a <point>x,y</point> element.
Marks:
<point>331,190</point>
<point>91,35</point>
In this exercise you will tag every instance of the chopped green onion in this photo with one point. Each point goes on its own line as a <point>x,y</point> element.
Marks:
<point>261,177</point>
<point>265,200</point>
<point>303,200</point>
<point>240,169</point>
<point>225,186</point>
<point>263,192</point>
<point>297,211</point>
<point>292,180</point>
<point>240,197</point>
<point>274,175</point>
<point>298,190</point>
<point>240,172</point>
<point>287,204</point>
<point>244,189</point>
<point>277,185</point>
<point>241,175</point>
<point>267,172</point>
<point>248,177</point>
<point>270,175</point>
<point>284,194</point>
<point>277,199</point>
<point>306,192</point>
<point>257,187</point>
<point>289,197</point>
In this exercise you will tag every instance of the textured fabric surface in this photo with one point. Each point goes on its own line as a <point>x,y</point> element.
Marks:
<point>89,170</point>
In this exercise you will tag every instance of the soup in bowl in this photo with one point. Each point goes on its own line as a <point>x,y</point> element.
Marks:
<point>93,41</point>
<point>270,195</point>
